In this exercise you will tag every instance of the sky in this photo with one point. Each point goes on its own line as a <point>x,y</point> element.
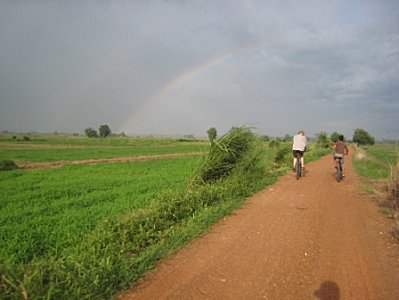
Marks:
<point>174,67</point>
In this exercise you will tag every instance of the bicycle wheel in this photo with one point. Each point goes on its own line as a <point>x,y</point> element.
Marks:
<point>298,167</point>
<point>338,175</point>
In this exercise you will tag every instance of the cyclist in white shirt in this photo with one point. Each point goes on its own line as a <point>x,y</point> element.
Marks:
<point>299,145</point>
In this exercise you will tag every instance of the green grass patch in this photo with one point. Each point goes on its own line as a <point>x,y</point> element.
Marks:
<point>46,211</point>
<point>377,161</point>
<point>378,165</point>
<point>57,154</point>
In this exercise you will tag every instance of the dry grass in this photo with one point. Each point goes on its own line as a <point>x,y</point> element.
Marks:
<point>393,195</point>
<point>382,187</point>
<point>393,187</point>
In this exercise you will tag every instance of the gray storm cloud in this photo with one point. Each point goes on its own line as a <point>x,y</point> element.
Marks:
<point>180,67</point>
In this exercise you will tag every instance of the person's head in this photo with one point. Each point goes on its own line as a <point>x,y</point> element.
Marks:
<point>301,132</point>
<point>341,138</point>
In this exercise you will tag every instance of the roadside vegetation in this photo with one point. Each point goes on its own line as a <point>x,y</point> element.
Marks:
<point>87,231</point>
<point>379,167</point>
<point>7,165</point>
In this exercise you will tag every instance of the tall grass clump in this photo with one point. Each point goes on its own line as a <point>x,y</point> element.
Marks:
<point>224,155</point>
<point>122,248</point>
<point>379,167</point>
<point>393,186</point>
<point>8,165</point>
<point>393,195</point>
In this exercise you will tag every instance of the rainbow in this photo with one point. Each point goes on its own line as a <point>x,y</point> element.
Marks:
<point>185,76</point>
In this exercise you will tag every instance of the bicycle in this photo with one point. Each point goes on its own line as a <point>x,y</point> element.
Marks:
<point>298,165</point>
<point>338,174</point>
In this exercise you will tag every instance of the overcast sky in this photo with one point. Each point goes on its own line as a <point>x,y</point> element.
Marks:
<point>180,67</point>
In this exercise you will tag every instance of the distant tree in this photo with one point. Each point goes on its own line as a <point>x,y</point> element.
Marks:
<point>275,143</point>
<point>362,137</point>
<point>265,138</point>
<point>334,136</point>
<point>287,138</point>
<point>90,132</point>
<point>189,137</point>
<point>322,139</point>
<point>212,133</point>
<point>104,130</point>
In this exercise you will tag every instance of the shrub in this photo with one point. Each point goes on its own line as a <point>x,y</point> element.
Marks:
<point>322,139</point>
<point>8,165</point>
<point>274,143</point>
<point>224,154</point>
<point>281,155</point>
<point>393,186</point>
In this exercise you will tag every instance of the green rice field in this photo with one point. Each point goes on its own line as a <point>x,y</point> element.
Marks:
<point>45,213</point>
<point>48,210</point>
<point>54,148</point>
<point>376,164</point>
<point>85,231</point>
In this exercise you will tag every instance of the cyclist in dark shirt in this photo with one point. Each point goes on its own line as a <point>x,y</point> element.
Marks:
<point>340,151</point>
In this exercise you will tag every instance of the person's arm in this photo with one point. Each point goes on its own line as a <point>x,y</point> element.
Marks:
<point>346,150</point>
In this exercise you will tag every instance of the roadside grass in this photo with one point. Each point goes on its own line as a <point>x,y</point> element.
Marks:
<point>94,230</point>
<point>376,163</point>
<point>379,167</point>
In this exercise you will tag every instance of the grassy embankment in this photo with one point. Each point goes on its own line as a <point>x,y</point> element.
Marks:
<point>83,232</point>
<point>379,167</point>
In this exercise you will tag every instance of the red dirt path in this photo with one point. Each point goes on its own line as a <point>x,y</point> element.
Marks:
<point>308,239</point>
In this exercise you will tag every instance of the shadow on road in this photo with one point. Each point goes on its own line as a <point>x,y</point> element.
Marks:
<point>328,290</point>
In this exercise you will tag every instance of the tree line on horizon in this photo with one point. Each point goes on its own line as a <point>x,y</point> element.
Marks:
<point>103,131</point>
<point>360,137</point>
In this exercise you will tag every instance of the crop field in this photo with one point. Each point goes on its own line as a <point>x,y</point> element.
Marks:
<point>46,211</point>
<point>85,231</point>
<point>54,148</point>
<point>43,212</point>
<point>377,162</point>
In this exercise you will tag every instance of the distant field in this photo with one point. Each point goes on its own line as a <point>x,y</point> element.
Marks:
<point>54,148</point>
<point>376,163</point>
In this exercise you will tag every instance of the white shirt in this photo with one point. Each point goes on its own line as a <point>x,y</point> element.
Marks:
<point>299,142</point>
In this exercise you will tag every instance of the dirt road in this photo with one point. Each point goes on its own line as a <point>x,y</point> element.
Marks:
<point>308,239</point>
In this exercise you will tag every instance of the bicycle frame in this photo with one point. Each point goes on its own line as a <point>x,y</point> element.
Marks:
<point>298,165</point>
<point>338,175</point>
